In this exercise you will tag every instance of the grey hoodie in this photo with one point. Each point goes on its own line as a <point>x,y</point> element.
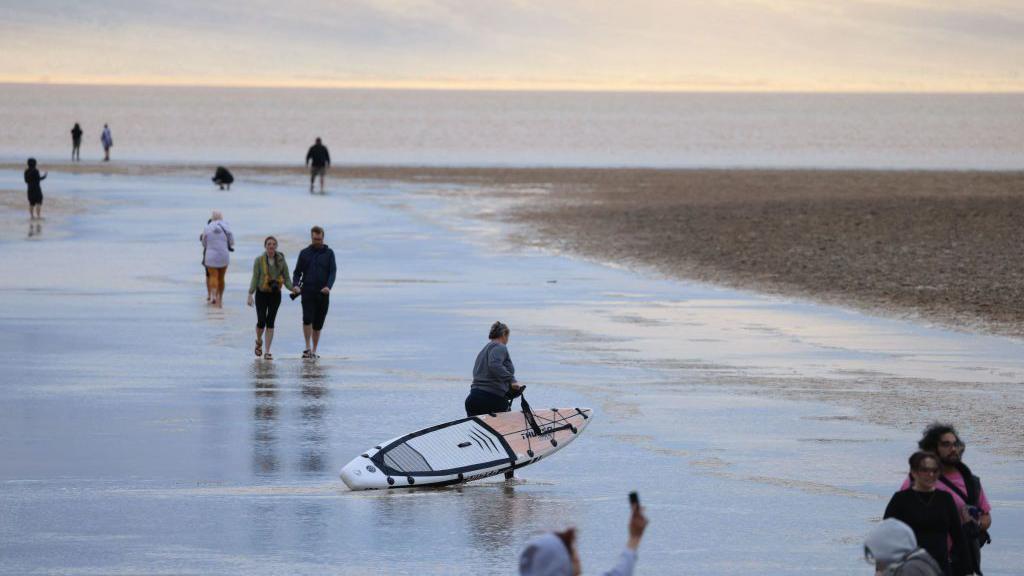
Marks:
<point>547,555</point>
<point>894,547</point>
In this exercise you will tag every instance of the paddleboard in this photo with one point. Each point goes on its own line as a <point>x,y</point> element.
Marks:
<point>466,449</point>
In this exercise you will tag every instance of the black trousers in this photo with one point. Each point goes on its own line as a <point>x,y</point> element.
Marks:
<point>479,402</point>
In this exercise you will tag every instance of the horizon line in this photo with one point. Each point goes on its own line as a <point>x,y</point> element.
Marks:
<point>498,87</point>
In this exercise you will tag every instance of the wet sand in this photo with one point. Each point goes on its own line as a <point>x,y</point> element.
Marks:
<point>942,246</point>
<point>140,435</point>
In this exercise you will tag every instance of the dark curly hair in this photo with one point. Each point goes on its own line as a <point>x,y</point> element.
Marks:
<point>930,439</point>
<point>498,330</point>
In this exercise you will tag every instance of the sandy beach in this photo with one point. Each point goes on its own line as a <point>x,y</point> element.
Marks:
<point>942,246</point>
<point>128,399</point>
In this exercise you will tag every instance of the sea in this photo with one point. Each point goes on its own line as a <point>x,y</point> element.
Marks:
<point>518,128</point>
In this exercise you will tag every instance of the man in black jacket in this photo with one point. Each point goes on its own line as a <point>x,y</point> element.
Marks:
<point>315,272</point>
<point>318,158</point>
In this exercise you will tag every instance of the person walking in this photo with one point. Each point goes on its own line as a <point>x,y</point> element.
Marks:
<point>35,190</point>
<point>269,274</point>
<point>218,243</point>
<point>892,547</point>
<point>555,553</point>
<point>318,158</point>
<point>957,479</point>
<point>76,143</point>
<point>932,515</point>
<point>108,142</point>
<point>315,272</point>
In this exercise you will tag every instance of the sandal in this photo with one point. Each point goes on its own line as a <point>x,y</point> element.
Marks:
<point>307,354</point>
<point>268,356</point>
<point>259,347</point>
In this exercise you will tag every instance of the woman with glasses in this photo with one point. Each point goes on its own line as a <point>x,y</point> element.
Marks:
<point>931,513</point>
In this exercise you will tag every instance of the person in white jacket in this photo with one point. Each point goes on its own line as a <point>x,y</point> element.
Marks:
<point>218,243</point>
<point>554,553</point>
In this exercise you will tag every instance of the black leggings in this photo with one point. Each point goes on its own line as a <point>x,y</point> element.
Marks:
<point>479,402</point>
<point>267,304</point>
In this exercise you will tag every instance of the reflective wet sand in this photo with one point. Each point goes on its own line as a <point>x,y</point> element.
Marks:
<point>138,434</point>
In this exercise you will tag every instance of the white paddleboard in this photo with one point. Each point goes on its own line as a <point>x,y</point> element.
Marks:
<point>466,449</point>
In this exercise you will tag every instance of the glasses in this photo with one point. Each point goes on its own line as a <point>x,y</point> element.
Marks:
<point>952,444</point>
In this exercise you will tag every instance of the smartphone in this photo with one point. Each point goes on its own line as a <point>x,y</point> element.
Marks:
<point>634,500</point>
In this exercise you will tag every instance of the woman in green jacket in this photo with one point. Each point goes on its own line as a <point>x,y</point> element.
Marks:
<point>269,274</point>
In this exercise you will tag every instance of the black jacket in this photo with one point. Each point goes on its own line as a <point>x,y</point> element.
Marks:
<point>318,155</point>
<point>315,269</point>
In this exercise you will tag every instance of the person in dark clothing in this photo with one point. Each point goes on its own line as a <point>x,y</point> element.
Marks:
<point>932,515</point>
<point>35,191</point>
<point>223,178</point>
<point>494,377</point>
<point>315,272</point>
<point>318,159</point>
<point>76,143</point>
<point>965,488</point>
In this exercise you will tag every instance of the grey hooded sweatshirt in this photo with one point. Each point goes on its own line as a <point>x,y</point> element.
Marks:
<point>547,555</point>
<point>894,547</point>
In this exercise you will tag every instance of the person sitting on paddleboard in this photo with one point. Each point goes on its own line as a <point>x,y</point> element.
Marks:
<point>494,376</point>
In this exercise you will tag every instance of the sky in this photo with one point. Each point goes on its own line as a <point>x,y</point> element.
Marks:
<point>719,45</point>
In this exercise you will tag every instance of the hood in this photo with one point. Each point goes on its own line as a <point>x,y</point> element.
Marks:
<point>545,556</point>
<point>890,540</point>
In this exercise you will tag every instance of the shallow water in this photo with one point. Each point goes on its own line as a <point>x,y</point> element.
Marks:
<point>138,434</point>
<point>452,127</point>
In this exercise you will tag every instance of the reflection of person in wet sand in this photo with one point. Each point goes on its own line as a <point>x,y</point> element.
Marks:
<point>35,191</point>
<point>76,143</point>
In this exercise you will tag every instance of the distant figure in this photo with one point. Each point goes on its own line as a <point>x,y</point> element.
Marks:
<point>217,241</point>
<point>108,142</point>
<point>555,554</point>
<point>35,191</point>
<point>932,515</point>
<point>892,547</point>
<point>315,272</point>
<point>223,178</point>
<point>318,158</point>
<point>76,143</point>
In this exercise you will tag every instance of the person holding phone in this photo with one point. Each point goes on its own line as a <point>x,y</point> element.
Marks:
<point>555,554</point>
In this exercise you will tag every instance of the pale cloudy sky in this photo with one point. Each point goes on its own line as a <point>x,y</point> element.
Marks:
<point>894,45</point>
